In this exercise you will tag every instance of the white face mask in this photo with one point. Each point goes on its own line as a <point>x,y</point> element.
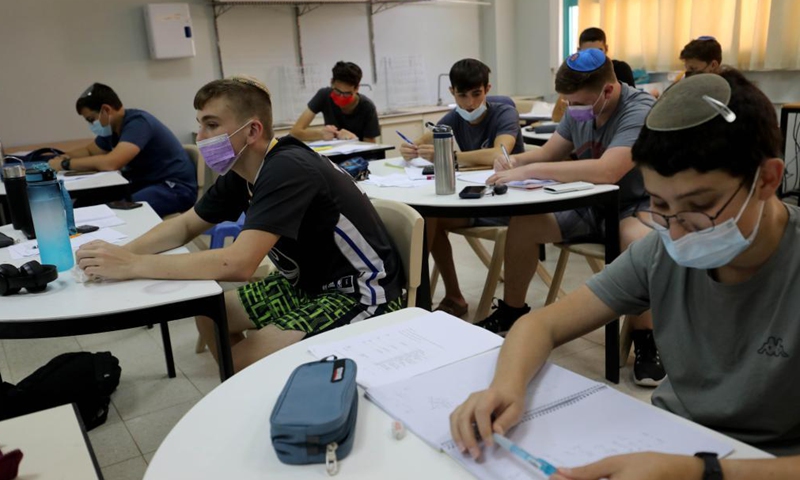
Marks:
<point>473,115</point>
<point>707,250</point>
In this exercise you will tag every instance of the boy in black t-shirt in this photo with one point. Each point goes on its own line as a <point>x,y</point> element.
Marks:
<point>348,114</point>
<point>336,261</point>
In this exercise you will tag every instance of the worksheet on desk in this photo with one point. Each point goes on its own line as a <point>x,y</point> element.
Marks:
<point>417,346</point>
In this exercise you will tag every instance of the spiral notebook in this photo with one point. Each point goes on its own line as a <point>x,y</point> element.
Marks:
<point>569,420</point>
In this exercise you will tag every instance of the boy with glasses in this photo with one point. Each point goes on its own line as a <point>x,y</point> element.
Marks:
<point>137,143</point>
<point>348,114</point>
<point>720,275</point>
<point>702,55</point>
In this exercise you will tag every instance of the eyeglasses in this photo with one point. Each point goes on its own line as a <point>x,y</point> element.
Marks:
<point>343,94</point>
<point>688,220</point>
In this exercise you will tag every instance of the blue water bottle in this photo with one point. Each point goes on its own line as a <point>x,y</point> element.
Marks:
<point>51,211</point>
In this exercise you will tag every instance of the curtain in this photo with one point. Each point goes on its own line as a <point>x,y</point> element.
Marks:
<point>754,34</point>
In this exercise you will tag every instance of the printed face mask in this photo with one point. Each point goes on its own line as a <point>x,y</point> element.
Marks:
<point>218,152</point>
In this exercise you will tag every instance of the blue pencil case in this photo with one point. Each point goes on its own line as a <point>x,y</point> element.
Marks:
<point>314,419</point>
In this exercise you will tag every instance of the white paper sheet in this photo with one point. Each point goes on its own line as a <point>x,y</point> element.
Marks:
<point>480,177</point>
<point>417,346</point>
<point>31,247</point>
<point>400,162</point>
<point>395,180</point>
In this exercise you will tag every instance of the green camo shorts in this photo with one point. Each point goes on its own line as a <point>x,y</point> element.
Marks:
<point>275,301</point>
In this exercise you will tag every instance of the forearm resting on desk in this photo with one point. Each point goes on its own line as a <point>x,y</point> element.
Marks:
<point>592,171</point>
<point>773,469</point>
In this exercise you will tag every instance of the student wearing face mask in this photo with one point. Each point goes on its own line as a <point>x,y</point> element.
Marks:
<point>137,143</point>
<point>719,271</point>
<point>335,259</point>
<point>602,122</point>
<point>480,129</point>
<point>348,114</point>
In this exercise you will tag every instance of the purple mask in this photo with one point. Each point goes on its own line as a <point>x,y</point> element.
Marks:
<point>218,152</point>
<point>584,113</point>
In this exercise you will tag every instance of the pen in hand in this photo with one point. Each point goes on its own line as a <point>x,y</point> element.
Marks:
<point>506,157</point>
<point>405,139</point>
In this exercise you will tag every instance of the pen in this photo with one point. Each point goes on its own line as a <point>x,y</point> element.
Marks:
<point>537,463</point>
<point>405,139</point>
<point>505,155</point>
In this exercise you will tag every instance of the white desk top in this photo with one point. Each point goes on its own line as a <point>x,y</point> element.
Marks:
<point>227,434</point>
<point>426,195</point>
<point>52,444</point>
<point>536,136</point>
<point>364,147</point>
<point>66,298</point>
<point>88,182</point>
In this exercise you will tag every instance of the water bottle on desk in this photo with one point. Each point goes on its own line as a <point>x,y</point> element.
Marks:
<point>51,210</point>
<point>17,198</point>
<point>444,164</point>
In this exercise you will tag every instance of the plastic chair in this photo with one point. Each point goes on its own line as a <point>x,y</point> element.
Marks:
<point>221,231</point>
<point>407,230</point>
<point>595,255</point>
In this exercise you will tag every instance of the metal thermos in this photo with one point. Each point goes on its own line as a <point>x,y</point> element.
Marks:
<point>17,198</point>
<point>443,162</point>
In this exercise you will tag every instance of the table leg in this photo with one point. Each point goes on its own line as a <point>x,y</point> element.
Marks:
<point>610,207</point>
<point>168,349</point>
<point>424,291</point>
<point>223,340</point>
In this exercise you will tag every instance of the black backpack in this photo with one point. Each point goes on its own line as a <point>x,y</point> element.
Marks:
<point>86,379</point>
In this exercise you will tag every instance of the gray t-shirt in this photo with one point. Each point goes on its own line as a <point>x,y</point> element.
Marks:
<point>621,130</point>
<point>731,352</point>
<point>501,119</point>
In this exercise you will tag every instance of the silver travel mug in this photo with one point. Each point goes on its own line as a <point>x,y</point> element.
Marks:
<point>444,164</point>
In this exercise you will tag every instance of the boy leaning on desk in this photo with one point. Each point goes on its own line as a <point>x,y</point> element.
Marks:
<point>720,272</point>
<point>336,260</point>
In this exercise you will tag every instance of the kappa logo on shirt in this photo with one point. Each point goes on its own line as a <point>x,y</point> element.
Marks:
<point>773,347</point>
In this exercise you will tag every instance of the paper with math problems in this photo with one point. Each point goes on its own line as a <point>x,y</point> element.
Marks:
<point>402,351</point>
<point>569,420</point>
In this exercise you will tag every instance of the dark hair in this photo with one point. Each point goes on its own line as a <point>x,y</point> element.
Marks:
<point>246,96</point>
<point>737,148</point>
<point>569,81</point>
<point>468,74</point>
<point>96,96</point>
<point>705,49</point>
<point>592,34</point>
<point>346,72</point>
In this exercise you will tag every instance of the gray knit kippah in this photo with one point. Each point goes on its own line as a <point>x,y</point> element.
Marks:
<point>691,102</point>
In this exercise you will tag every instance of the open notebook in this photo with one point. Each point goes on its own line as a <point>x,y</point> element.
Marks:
<point>419,371</point>
<point>569,420</point>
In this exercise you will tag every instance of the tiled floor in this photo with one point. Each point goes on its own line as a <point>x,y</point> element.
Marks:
<point>147,404</point>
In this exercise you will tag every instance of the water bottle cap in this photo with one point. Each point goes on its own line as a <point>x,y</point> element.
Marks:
<point>13,171</point>
<point>442,131</point>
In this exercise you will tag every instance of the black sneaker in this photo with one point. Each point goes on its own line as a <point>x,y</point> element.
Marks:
<point>503,317</point>
<point>647,368</point>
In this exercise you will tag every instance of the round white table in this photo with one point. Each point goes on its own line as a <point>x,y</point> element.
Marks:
<point>227,434</point>
<point>513,203</point>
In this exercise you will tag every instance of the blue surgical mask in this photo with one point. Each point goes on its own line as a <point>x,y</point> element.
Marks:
<point>473,115</point>
<point>100,130</point>
<point>707,250</point>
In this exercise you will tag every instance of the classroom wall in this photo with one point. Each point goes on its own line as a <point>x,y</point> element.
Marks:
<point>53,49</point>
<point>536,29</point>
<point>60,47</point>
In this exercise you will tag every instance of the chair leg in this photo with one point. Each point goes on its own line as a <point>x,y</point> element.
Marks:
<point>200,345</point>
<point>411,297</point>
<point>595,264</point>
<point>482,253</point>
<point>434,279</point>
<point>558,277</point>
<point>492,277</point>
<point>625,341</point>
<point>547,279</point>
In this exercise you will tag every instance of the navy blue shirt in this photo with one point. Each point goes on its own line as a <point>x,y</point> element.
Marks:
<point>161,157</point>
<point>500,119</point>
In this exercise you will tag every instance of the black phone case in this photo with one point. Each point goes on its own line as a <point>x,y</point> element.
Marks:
<point>467,193</point>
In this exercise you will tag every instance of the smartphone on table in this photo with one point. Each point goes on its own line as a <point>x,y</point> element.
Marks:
<point>124,205</point>
<point>476,191</point>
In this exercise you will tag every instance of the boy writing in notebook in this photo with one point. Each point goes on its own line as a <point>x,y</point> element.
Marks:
<point>348,114</point>
<point>335,259</point>
<point>719,271</point>
<point>480,129</point>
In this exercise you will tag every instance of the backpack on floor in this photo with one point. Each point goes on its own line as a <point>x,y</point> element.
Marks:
<point>86,379</point>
